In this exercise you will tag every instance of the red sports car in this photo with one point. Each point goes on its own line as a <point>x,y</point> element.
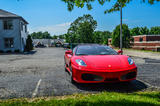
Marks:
<point>93,63</point>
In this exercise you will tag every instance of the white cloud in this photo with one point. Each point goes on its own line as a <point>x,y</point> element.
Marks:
<point>53,29</point>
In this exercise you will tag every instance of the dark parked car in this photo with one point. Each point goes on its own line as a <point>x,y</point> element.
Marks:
<point>39,45</point>
<point>66,45</point>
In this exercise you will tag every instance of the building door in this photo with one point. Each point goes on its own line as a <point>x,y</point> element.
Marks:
<point>9,42</point>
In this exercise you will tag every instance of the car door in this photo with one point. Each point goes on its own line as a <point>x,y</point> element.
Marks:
<point>69,56</point>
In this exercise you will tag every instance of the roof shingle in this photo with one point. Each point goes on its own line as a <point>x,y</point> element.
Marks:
<point>6,14</point>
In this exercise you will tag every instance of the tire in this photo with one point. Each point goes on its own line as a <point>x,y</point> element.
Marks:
<point>72,81</point>
<point>65,69</point>
<point>127,83</point>
<point>65,65</point>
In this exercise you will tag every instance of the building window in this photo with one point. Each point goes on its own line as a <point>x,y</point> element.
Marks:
<point>21,26</point>
<point>141,39</point>
<point>26,28</point>
<point>9,42</point>
<point>8,24</point>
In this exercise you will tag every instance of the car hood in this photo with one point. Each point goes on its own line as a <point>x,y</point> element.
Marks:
<point>106,61</point>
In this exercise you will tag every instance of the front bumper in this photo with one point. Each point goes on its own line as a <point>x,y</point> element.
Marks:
<point>106,76</point>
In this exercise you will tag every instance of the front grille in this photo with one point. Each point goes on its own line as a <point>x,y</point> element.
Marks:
<point>111,79</point>
<point>130,75</point>
<point>91,77</point>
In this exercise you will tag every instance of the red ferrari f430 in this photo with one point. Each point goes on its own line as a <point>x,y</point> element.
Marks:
<point>93,63</point>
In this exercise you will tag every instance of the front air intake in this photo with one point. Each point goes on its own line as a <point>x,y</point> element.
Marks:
<point>91,77</point>
<point>128,76</point>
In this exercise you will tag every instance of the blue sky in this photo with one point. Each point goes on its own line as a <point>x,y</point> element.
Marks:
<point>53,16</point>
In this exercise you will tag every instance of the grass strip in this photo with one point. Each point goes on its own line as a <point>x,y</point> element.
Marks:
<point>99,99</point>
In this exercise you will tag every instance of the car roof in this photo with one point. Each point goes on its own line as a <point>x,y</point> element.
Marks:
<point>82,45</point>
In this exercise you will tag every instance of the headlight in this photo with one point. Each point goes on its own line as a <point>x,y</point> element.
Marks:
<point>130,61</point>
<point>80,62</point>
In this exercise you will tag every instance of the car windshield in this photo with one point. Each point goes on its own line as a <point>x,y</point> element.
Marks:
<point>95,50</point>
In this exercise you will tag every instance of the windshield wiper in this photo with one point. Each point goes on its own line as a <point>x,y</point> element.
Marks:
<point>81,54</point>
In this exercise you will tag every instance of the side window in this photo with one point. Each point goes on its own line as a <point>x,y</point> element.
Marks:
<point>25,28</point>
<point>74,50</point>
<point>8,24</point>
<point>9,42</point>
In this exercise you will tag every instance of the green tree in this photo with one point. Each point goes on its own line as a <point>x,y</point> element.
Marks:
<point>88,4</point>
<point>55,37</point>
<point>155,30</point>
<point>41,35</point>
<point>85,32</point>
<point>78,32</point>
<point>98,36</point>
<point>46,35</point>
<point>67,38</point>
<point>135,31</point>
<point>144,31</point>
<point>62,36</point>
<point>101,37</point>
<point>29,45</point>
<point>126,36</point>
<point>106,35</point>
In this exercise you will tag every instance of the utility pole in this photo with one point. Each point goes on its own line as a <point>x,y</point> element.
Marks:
<point>121,46</point>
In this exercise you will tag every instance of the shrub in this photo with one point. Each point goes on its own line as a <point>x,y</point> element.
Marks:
<point>1,51</point>
<point>8,51</point>
<point>29,44</point>
<point>17,51</point>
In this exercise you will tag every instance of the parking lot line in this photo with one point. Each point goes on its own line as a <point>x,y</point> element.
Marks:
<point>36,89</point>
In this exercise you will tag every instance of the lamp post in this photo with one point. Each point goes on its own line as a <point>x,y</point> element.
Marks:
<point>121,46</point>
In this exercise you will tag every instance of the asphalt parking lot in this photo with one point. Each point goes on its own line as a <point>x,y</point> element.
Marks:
<point>42,74</point>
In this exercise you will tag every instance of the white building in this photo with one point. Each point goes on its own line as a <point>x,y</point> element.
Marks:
<point>48,42</point>
<point>13,32</point>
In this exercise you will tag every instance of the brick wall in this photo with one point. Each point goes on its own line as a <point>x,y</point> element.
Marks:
<point>153,38</point>
<point>137,38</point>
<point>147,42</point>
<point>144,42</point>
<point>146,38</point>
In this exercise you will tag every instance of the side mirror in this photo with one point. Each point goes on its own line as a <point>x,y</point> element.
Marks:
<point>68,52</point>
<point>119,52</point>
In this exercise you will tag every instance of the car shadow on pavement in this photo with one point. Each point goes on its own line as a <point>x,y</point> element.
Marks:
<point>122,87</point>
<point>19,53</point>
